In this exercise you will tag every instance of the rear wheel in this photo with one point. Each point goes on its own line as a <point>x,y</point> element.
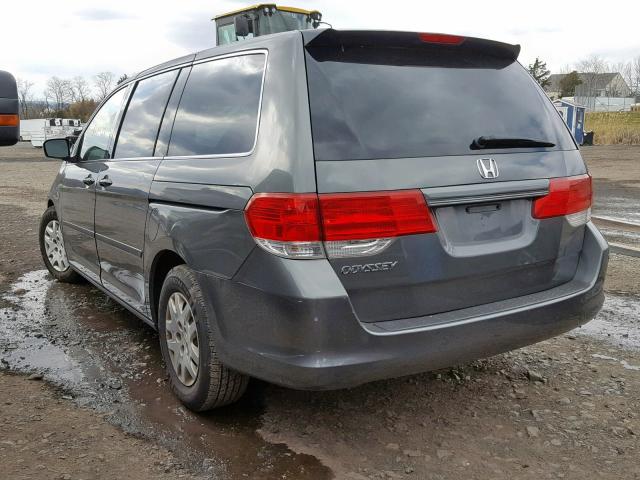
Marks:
<point>52,248</point>
<point>196,374</point>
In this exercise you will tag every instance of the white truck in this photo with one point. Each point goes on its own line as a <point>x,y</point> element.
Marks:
<point>40,129</point>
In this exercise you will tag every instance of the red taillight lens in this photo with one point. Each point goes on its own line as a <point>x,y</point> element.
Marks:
<point>441,38</point>
<point>566,196</point>
<point>285,217</point>
<point>306,225</point>
<point>354,216</point>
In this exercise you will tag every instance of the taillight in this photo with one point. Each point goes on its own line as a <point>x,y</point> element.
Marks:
<point>8,120</point>
<point>441,38</point>
<point>569,197</point>
<point>286,224</point>
<point>356,224</point>
<point>354,216</point>
<point>349,224</point>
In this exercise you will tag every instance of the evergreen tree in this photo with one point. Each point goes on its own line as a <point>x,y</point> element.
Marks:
<point>568,84</point>
<point>539,72</point>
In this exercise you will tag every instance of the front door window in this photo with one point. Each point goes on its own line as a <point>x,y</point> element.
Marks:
<point>96,139</point>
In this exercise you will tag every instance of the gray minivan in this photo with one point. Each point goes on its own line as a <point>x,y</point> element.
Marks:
<point>325,208</point>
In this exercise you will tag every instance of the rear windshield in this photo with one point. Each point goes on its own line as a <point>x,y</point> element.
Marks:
<point>393,102</point>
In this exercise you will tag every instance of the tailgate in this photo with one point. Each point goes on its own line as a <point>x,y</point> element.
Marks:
<point>487,247</point>
<point>391,112</point>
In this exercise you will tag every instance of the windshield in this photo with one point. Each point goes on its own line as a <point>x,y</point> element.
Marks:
<point>281,21</point>
<point>278,21</point>
<point>371,103</point>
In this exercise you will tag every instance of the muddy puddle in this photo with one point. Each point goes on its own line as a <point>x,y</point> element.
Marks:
<point>618,208</point>
<point>621,236</point>
<point>617,324</point>
<point>101,356</point>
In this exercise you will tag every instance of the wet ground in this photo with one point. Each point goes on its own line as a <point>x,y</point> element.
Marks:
<point>565,408</point>
<point>617,191</point>
<point>104,358</point>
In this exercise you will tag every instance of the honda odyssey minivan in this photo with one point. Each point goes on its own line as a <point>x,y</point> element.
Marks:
<point>324,208</point>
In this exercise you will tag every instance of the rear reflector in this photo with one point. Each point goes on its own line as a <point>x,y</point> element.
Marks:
<point>9,120</point>
<point>568,196</point>
<point>350,224</point>
<point>441,38</point>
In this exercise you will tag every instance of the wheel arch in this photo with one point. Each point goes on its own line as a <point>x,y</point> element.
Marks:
<point>162,263</point>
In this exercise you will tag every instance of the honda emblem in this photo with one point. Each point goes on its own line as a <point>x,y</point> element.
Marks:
<point>487,167</point>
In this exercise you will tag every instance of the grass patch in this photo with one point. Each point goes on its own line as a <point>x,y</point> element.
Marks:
<point>614,128</point>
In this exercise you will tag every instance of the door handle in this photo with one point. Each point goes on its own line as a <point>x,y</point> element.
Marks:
<point>105,181</point>
<point>88,180</point>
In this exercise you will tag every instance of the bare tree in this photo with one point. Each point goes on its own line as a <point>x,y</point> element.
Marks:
<point>59,91</point>
<point>625,69</point>
<point>81,91</point>
<point>104,82</point>
<point>590,68</point>
<point>26,97</point>
<point>566,68</point>
<point>635,71</point>
<point>46,110</point>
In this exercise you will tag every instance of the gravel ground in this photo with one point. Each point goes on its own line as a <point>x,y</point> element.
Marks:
<point>44,435</point>
<point>564,408</point>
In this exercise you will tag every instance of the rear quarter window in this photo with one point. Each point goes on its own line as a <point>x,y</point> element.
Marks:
<point>393,102</point>
<point>218,112</point>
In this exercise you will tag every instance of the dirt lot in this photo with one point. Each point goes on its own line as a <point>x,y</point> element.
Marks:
<point>565,408</point>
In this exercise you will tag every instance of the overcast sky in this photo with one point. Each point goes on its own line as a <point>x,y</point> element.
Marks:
<point>83,37</point>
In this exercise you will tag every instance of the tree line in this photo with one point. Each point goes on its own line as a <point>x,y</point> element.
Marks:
<point>590,67</point>
<point>74,97</point>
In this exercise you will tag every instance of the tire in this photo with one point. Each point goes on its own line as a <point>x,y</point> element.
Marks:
<point>60,269</point>
<point>214,385</point>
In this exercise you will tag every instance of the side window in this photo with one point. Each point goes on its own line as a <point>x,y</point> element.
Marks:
<point>95,142</point>
<point>218,112</point>
<point>226,34</point>
<point>142,118</point>
<point>164,135</point>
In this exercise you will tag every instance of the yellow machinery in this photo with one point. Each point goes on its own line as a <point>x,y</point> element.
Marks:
<point>263,19</point>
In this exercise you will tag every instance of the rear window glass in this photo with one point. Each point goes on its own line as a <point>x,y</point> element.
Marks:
<point>218,112</point>
<point>393,103</point>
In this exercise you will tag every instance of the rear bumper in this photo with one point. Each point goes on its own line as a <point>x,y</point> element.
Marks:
<point>291,323</point>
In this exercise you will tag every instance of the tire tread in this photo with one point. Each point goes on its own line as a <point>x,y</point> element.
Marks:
<point>225,386</point>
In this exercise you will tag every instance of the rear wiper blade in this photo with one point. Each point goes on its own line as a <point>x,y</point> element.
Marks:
<point>506,142</point>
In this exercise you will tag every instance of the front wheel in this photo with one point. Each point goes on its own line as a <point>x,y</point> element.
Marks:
<point>197,376</point>
<point>52,248</point>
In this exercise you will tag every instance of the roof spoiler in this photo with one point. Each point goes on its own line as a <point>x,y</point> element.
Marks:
<point>381,38</point>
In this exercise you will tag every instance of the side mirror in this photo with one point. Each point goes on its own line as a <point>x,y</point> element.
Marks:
<point>57,148</point>
<point>315,18</point>
<point>9,110</point>
<point>241,24</point>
